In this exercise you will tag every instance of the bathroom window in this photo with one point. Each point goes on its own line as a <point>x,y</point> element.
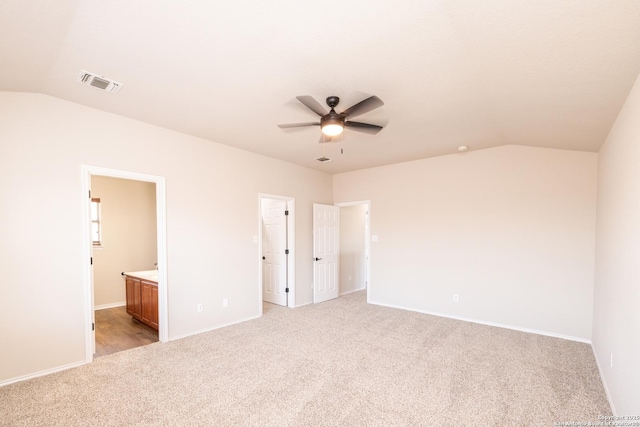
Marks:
<point>96,226</point>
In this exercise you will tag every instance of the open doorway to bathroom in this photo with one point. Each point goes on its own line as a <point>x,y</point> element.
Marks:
<point>125,223</point>
<point>124,239</point>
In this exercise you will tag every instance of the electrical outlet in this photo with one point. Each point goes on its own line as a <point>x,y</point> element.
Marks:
<point>456,298</point>
<point>225,303</point>
<point>200,308</point>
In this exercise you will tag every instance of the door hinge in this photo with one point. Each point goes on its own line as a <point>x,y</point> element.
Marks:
<point>89,193</point>
<point>286,251</point>
<point>91,260</point>
<point>93,326</point>
<point>286,290</point>
<point>286,212</point>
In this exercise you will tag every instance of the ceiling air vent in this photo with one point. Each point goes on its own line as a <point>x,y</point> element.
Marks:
<point>99,82</point>
<point>323,159</point>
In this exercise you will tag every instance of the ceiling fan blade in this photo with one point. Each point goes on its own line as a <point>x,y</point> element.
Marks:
<point>363,106</point>
<point>363,127</point>
<point>297,125</point>
<point>312,104</point>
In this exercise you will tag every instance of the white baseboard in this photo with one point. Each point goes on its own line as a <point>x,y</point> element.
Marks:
<point>481,322</point>
<point>353,290</point>
<point>42,373</point>
<point>302,305</point>
<point>112,305</point>
<point>604,382</point>
<point>201,331</point>
<point>75,365</point>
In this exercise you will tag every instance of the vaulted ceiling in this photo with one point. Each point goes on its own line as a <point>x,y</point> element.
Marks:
<point>548,73</point>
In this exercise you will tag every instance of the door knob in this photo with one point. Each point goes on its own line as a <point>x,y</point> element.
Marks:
<point>263,258</point>
<point>318,259</point>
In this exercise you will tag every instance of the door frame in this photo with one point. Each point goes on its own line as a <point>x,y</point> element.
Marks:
<point>367,239</point>
<point>87,269</point>
<point>291,241</point>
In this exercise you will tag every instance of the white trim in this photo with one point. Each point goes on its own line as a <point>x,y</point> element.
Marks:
<point>367,243</point>
<point>201,331</point>
<point>42,373</point>
<point>353,290</point>
<point>161,209</point>
<point>112,305</point>
<point>481,322</point>
<point>291,243</point>
<point>604,383</point>
<point>87,271</point>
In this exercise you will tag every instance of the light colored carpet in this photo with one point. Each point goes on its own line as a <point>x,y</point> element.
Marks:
<point>375,366</point>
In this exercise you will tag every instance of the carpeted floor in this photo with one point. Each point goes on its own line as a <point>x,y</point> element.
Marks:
<point>339,363</point>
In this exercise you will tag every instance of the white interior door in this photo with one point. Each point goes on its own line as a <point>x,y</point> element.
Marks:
<point>326,252</point>
<point>274,244</point>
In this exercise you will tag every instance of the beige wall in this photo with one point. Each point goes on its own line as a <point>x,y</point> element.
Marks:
<point>129,241</point>
<point>616,322</point>
<point>509,229</point>
<point>212,216</point>
<point>352,248</point>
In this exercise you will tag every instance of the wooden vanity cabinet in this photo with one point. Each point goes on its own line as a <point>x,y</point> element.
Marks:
<point>149,303</point>
<point>142,301</point>
<point>134,306</point>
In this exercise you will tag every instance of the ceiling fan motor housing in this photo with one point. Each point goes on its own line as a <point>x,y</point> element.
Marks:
<point>332,101</point>
<point>332,118</point>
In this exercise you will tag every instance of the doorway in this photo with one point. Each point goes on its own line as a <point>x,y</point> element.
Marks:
<point>276,245</point>
<point>354,248</point>
<point>160,234</point>
<point>124,238</point>
<point>341,236</point>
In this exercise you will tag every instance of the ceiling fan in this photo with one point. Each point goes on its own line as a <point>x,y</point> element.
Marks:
<point>332,123</point>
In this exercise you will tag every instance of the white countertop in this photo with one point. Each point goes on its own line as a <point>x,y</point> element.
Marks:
<point>150,275</point>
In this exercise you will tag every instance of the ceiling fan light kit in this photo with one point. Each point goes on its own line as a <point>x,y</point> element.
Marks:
<point>332,127</point>
<point>333,123</point>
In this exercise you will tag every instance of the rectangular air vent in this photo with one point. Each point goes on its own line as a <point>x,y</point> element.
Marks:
<point>99,82</point>
<point>323,159</point>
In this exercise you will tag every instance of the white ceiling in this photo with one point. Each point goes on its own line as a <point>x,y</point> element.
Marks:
<point>548,73</point>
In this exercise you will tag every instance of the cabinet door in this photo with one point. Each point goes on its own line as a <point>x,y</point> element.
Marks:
<point>133,297</point>
<point>129,290</point>
<point>149,294</point>
<point>153,319</point>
